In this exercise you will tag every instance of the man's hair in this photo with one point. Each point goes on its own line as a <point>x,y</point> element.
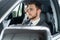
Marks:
<point>36,2</point>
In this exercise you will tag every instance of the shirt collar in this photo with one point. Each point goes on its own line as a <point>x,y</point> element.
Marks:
<point>35,21</point>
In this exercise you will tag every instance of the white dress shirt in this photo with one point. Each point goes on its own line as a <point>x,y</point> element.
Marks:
<point>35,22</point>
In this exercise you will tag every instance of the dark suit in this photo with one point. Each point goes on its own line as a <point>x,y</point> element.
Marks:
<point>42,23</point>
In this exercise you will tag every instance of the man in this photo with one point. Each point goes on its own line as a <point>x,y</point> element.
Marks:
<point>33,11</point>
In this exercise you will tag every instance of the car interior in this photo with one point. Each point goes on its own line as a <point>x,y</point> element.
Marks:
<point>17,16</point>
<point>46,15</point>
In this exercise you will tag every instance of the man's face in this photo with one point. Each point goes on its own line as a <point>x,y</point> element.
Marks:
<point>31,11</point>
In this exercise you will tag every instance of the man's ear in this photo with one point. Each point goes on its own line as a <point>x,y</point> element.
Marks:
<point>39,11</point>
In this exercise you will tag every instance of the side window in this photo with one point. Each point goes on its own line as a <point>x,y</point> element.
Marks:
<point>16,12</point>
<point>59,2</point>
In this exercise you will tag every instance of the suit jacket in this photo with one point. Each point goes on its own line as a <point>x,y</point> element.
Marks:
<point>42,23</point>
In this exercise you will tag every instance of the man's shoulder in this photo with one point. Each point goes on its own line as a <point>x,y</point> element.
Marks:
<point>42,23</point>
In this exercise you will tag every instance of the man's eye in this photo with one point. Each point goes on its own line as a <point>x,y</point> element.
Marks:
<point>31,9</point>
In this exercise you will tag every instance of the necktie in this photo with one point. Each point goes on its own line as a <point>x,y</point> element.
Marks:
<point>26,22</point>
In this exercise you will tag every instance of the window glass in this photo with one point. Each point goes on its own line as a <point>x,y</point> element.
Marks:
<point>59,2</point>
<point>17,11</point>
